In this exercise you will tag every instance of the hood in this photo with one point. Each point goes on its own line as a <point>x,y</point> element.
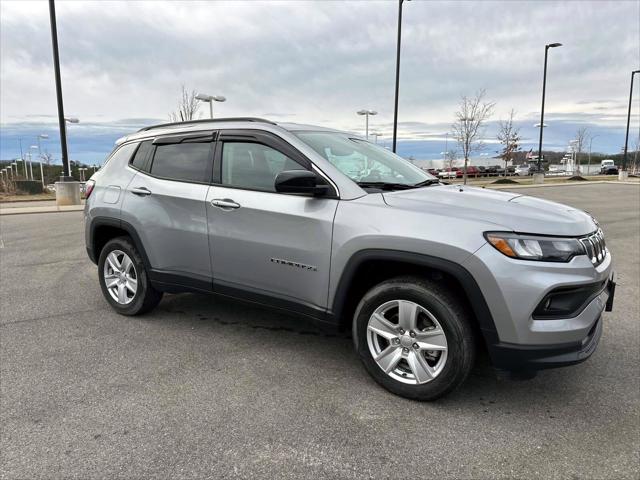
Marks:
<point>505,210</point>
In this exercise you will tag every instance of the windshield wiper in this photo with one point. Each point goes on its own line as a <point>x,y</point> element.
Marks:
<point>426,183</point>
<point>385,185</point>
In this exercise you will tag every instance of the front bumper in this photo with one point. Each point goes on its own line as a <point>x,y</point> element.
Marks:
<point>527,358</point>
<point>519,358</point>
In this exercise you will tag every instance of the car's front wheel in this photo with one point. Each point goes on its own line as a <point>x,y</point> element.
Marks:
<point>414,337</point>
<point>124,280</point>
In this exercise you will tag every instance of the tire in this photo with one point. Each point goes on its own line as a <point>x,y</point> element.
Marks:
<point>441,321</point>
<point>145,297</point>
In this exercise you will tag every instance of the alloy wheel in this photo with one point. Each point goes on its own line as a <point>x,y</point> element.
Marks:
<point>120,277</point>
<point>407,342</point>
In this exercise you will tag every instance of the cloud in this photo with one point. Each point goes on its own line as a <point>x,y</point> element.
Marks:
<point>319,62</point>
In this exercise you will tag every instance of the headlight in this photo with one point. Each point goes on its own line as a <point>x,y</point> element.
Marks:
<point>532,247</point>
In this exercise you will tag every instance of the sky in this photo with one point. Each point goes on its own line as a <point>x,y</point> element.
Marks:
<point>123,65</point>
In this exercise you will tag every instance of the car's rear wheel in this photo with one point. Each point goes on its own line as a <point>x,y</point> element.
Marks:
<point>124,280</point>
<point>414,337</point>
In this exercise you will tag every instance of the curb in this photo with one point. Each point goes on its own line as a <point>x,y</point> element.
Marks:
<point>29,210</point>
<point>27,200</point>
<point>562,184</point>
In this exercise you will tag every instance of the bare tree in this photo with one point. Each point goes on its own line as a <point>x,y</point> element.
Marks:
<point>509,136</point>
<point>47,158</point>
<point>188,107</point>
<point>579,143</point>
<point>450,157</point>
<point>468,127</point>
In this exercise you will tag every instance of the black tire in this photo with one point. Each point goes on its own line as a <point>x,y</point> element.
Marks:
<point>450,313</point>
<point>146,297</point>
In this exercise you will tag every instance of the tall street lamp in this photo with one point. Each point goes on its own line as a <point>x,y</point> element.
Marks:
<point>366,113</point>
<point>590,142</point>
<point>376,135</point>
<point>56,68</point>
<point>544,87</point>
<point>32,147</point>
<point>42,136</point>
<point>395,109</point>
<point>210,99</point>
<point>69,120</point>
<point>626,138</point>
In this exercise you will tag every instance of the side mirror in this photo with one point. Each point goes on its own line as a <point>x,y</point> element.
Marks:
<point>300,181</point>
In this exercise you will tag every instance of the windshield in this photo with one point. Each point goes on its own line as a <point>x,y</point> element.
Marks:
<point>364,162</point>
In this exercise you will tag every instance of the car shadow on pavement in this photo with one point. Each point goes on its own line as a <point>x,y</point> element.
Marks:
<point>236,320</point>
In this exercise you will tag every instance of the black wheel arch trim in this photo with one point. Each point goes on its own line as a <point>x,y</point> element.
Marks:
<point>472,290</point>
<point>97,222</point>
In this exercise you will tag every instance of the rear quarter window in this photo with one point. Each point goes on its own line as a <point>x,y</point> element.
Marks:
<point>139,160</point>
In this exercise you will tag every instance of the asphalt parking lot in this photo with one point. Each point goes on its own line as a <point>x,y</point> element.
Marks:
<point>209,388</point>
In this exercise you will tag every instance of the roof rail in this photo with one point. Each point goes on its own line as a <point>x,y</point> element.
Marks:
<point>209,120</point>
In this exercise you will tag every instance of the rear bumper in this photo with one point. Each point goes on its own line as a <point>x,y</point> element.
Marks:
<point>519,358</point>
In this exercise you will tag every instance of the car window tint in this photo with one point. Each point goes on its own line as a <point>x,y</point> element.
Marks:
<point>182,161</point>
<point>253,165</point>
<point>140,157</point>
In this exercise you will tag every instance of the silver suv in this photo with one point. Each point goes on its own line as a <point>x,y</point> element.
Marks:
<point>328,226</point>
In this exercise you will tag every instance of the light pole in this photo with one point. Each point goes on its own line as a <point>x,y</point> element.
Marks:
<point>574,156</point>
<point>32,147</point>
<point>544,88</point>
<point>623,176</point>
<point>376,135</point>
<point>210,99</point>
<point>395,109</point>
<point>590,142</point>
<point>56,68</point>
<point>69,120</point>
<point>366,113</point>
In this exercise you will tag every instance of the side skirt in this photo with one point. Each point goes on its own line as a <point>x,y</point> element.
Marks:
<point>171,282</point>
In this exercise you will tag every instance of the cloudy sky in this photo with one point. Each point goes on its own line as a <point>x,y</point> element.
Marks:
<point>318,62</point>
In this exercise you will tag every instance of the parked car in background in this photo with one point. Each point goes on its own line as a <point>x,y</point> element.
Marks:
<point>449,172</point>
<point>433,171</point>
<point>483,170</point>
<point>608,167</point>
<point>492,169</point>
<point>472,171</point>
<point>522,170</point>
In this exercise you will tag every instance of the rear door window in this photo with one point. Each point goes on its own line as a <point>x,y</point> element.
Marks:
<point>188,162</point>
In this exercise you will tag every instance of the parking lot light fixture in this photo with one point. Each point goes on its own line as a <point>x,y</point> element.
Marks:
<point>544,88</point>
<point>71,120</point>
<point>366,113</point>
<point>203,97</point>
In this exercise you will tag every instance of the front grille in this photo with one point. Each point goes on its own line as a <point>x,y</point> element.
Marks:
<point>595,247</point>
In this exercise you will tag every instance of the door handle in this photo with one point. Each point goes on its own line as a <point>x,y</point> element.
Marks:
<point>225,203</point>
<point>142,191</point>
